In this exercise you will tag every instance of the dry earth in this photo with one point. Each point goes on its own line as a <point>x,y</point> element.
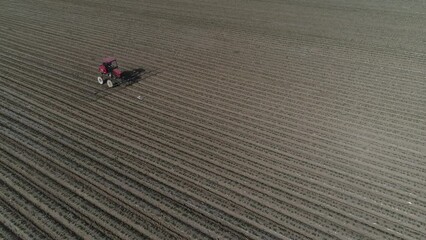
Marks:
<point>277,119</point>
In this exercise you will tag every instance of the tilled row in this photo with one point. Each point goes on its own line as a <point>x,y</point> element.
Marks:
<point>65,191</point>
<point>80,186</point>
<point>19,224</point>
<point>5,232</point>
<point>104,209</point>
<point>35,206</point>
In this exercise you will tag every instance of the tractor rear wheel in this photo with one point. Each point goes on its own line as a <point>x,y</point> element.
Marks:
<point>101,80</point>
<point>110,83</point>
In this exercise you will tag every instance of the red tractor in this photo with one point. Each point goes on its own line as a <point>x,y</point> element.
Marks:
<point>109,72</point>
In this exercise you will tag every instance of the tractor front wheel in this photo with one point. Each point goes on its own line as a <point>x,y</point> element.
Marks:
<point>110,83</point>
<point>101,80</point>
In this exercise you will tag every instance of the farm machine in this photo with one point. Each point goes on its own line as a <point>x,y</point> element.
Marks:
<point>109,72</point>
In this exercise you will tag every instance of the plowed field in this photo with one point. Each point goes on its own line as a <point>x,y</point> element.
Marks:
<point>247,120</point>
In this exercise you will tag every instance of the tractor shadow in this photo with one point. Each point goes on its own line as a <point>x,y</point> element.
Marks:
<point>132,76</point>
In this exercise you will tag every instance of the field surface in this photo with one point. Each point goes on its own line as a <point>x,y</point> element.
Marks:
<point>279,119</point>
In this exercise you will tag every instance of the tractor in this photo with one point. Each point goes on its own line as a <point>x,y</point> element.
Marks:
<point>109,72</point>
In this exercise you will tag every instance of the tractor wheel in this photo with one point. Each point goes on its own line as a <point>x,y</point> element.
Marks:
<point>110,83</point>
<point>101,80</point>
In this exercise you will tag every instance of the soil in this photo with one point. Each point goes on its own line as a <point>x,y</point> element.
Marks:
<point>237,120</point>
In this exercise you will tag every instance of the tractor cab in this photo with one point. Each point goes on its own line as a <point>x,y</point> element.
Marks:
<point>109,64</point>
<point>110,67</point>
